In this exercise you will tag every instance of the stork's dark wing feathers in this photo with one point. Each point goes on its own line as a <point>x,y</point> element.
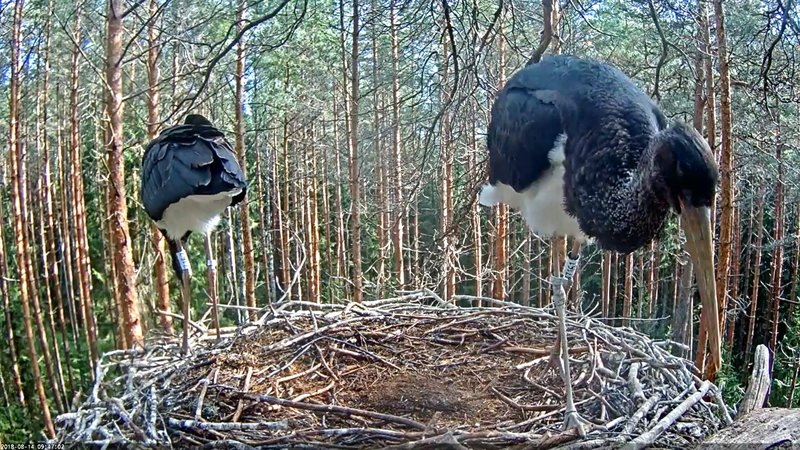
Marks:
<point>522,131</point>
<point>188,160</point>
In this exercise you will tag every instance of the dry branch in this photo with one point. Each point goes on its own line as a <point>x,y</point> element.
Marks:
<point>760,381</point>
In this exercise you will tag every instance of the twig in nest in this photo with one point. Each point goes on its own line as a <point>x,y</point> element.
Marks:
<point>315,393</point>
<point>641,412</point>
<point>445,440</point>
<point>647,438</point>
<point>634,385</point>
<point>514,404</point>
<point>228,426</point>
<point>336,410</point>
<point>245,388</point>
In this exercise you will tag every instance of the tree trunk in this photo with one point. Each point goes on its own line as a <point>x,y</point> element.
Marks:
<point>312,239</point>
<point>736,269</point>
<point>751,319</point>
<point>244,210</point>
<point>626,307</point>
<point>282,203</point>
<point>726,164</point>
<point>501,212</point>
<point>446,192</point>
<point>397,197</point>
<point>11,340</point>
<point>605,292</point>
<point>354,161</point>
<point>655,256</point>
<point>795,265</point>
<point>123,255</point>
<point>19,214</point>
<point>477,238</point>
<point>264,180</point>
<point>341,240</point>
<point>777,253</point>
<point>380,163</point>
<point>153,126</point>
<point>78,206</point>
<point>683,307</point>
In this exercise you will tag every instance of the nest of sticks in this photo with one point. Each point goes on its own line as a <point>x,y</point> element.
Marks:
<point>408,372</point>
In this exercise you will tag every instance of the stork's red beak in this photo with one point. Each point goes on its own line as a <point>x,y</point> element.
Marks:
<point>696,223</point>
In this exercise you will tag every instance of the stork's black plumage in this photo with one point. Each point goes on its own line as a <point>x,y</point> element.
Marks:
<point>189,177</point>
<point>582,152</point>
<point>189,160</point>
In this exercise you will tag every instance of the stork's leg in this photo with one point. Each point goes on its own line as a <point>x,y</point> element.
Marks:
<point>186,275</point>
<point>211,264</point>
<point>571,417</point>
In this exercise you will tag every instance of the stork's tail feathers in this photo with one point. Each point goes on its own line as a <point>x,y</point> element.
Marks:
<point>492,194</point>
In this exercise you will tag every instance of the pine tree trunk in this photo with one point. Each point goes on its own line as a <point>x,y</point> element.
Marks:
<point>244,210</point>
<point>652,278</point>
<point>282,205</point>
<point>312,239</point>
<point>126,277</point>
<point>264,186</point>
<point>341,240</point>
<point>684,305</point>
<point>153,126</point>
<point>726,163</point>
<point>19,214</point>
<point>78,206</point>
<point>397,198</point>
<point>626,307</point>
<point>45,212</point>
<point>605,293</point>
<point>777,253</point>
<point>354,160</point>
<point>477,238</point>
<point>736,269</point>
<point>501,211</point>
<point>795,265</point>
<point>446,192</point>
<point>11,340</point>
<point>380,169</point>
<point>751,320</point>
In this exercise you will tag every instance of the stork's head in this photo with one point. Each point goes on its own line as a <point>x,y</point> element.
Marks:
<point>197,119</point>
<point>687,175</point>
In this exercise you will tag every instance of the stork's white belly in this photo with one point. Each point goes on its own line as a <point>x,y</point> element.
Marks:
<point>197,213</point>
<point>542,203</point>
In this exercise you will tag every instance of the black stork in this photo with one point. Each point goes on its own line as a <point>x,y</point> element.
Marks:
<point>189,177</point>
<point>582,152</point>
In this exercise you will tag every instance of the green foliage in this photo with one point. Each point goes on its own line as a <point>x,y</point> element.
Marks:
<point>16,426</point>
<point>731,382</point>
<point>786,362</point>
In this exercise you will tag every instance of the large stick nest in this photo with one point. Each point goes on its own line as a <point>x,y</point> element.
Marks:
<point>409,372</point>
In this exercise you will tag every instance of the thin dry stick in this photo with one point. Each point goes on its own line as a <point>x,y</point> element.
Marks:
<point>228,426</point>
<point>634,385</point>
<point>336,410</point>
<point>647,438</point>
<point>245,387</point>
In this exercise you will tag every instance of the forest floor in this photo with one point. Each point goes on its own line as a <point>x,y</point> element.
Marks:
<point>408,372</point>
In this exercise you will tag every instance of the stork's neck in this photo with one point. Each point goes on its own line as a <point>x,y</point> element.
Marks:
<point>623,208</point>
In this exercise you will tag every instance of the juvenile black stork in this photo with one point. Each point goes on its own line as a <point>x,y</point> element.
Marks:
<point>582,152</point>
<point>189,176</point>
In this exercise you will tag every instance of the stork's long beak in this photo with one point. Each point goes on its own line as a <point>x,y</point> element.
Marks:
<point>696,223</point>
